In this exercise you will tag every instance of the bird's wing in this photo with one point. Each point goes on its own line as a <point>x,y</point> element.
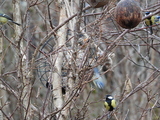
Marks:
<point>6,16</point>
<point>106,105</point>
<point>113,104</point>
<point>99,82</point>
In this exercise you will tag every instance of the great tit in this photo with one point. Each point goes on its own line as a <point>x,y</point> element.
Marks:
<point>148,22</point>
<point>5,18</point>
<point>151,21</point>
<point>100,79</point>
<point>109,103</point>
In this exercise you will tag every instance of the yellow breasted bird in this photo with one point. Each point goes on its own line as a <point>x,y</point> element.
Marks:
<point>148,22</point>
<point>5,18</point>
<point>151,21</point>
<point>109,103</point>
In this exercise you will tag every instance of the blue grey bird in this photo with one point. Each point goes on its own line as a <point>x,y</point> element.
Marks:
<point>100,79</point>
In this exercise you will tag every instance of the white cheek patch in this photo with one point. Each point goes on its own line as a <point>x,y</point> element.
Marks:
<point>110,97</point>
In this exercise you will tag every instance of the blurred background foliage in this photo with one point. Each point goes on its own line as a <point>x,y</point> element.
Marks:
<point>131,65</point>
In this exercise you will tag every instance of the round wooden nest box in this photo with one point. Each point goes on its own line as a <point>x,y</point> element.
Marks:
<point>97,3</point>
<point>128,14</point>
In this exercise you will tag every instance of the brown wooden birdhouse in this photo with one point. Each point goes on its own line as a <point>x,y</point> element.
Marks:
<point>128,14</point>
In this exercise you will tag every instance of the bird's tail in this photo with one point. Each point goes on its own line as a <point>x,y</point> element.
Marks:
<point>15,23</point>
<point>151,30</point>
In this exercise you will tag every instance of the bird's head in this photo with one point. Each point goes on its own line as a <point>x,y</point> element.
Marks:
<point>147,13</point>
<point>109,97</point>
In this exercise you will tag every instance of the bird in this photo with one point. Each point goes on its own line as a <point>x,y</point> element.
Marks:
<point>152,20</point>
<point>100,79</point>
<point>5,18</point>
<point>148,22</point>
<point>110,103</point>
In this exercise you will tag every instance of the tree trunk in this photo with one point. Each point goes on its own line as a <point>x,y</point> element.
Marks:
<point>58,58</point>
